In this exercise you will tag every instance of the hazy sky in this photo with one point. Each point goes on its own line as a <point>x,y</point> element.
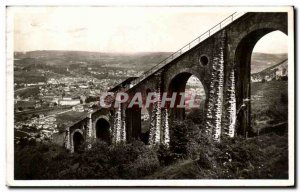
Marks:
<point>119,29</point>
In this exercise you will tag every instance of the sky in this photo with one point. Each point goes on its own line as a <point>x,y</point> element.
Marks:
<point>119,29</point>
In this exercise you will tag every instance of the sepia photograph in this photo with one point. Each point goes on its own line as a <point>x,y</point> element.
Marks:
<point>150,96</point>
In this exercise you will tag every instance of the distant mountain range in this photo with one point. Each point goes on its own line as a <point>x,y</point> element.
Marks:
<point>262,65</point>
<point>139,60</point>
<point>260,61</point>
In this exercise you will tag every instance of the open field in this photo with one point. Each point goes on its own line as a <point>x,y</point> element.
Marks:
<point>27,91</point>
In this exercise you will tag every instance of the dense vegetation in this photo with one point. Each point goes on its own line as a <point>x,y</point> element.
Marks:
<point>127,161</point>
<point>190,155</point>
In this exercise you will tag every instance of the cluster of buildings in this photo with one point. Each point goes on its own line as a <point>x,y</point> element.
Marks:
<point>34,84</point>
<point>38,128</point>
<point>68,101</point>
<point>68,91</point>
<point>59,94</point>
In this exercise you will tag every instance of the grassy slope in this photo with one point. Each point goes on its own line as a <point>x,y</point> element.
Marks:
<point>27,91</point>
<point>268,105</point>
<point>262,157</point>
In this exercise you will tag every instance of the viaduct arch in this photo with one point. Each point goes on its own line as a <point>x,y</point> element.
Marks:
<point>221,62</point>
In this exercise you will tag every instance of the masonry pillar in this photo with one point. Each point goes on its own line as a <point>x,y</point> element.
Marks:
<point>71,143</point>
<point>165,127</point>
<point>155,121</point>
<point>68,139</point>
<point>230,109</point>
<point>91,133</point>
<point>119,130</point>
<point>215,97</point>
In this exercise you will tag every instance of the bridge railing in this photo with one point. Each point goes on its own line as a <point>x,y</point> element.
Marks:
<point>189,46</point>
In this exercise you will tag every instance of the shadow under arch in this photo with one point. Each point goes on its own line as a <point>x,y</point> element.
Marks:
<point>78,140</point>
<point>102,128</point>
<point>242,62</point>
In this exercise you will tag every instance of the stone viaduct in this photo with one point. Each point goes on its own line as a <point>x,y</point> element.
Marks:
<point>220,59</point>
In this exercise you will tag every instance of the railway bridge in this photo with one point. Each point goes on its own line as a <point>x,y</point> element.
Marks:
<point>219,58</point>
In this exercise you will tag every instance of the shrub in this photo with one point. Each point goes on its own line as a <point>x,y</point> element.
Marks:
<point>122,161</point>
<point>181,132</point>
<point>29,162</point>
<point>197,116</point>
<point>146,163</point>
<point>165,155</point>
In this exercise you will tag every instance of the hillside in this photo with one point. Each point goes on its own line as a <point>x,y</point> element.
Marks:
<point>269,104</point>
<point>269,95</point>
<point>261,61</point>
<point>38,66</point>
<point>141,60</point>
<point>29,67</point>
<point>275,72</point>
<point>262,157</point>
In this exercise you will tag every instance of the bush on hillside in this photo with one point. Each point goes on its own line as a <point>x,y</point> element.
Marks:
<point>165,155</point>
<point>122,161</point>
